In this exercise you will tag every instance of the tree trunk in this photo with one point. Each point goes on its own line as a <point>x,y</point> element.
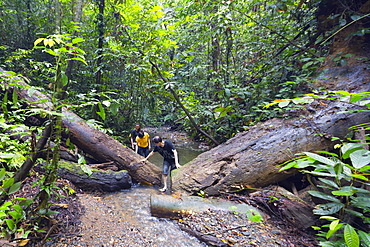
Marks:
<point>100,26</point>
<point>167,206</point>
<point>288,207</point>
<point>93,142</point>
<point>104,149</point>
<point>98,180</point>
<point>251,159</point>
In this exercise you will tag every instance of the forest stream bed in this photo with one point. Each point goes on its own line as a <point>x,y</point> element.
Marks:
<point>123,218</point>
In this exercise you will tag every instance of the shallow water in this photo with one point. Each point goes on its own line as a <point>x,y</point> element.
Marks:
<point>123,219</point>
<point>186,148</point>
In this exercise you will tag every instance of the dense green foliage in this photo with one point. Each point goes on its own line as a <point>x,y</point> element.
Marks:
<point>224,59</point>
<point>207,63</point>
<point>343,179</point>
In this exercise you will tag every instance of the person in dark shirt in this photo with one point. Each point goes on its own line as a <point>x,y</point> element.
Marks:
<point>170,158</point>
<point>133,134</point>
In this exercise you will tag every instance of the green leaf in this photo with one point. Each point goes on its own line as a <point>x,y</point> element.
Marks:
<point>64,79</point>
<point>365,238</point>
<point>324,196</point>
<point>15,97</point>
<point>77,40</point>
<point>359,176</point>
<point>360,158</point>
<point>10,223</point>
<point>345,191</point>
<point>51,212</point>
<point>356,98</point>
<point>328,153</point>
<point>8,183</point>
<point>288,166</point>
<point>329,182</point>
<point>320,158</point>
<point>348,148</point>
<point>15,215</point>
<point>355,17</point>
<point>365,168</point>
<point>79,59</point>
<point>351,237</point>
<point>361,202</point>
<point>86,169</point>
<point>353,212</point>
<point>333,228</point>
<point>14,188</point>
<point>283,103</point>
<point>323,174</point>
<point>17,208</point>
<point>101,111</point>
<point>2,174</point>
<point>31,91</point>
<point>328,208</point>
<point>254,216</point>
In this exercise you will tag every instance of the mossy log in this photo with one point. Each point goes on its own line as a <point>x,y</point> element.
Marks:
<point>99,180</point>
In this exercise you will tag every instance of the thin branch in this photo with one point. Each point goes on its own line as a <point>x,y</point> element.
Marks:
<point>173,93</point>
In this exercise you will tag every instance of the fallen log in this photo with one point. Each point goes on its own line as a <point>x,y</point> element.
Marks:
<point>167,206</point>
<point>107,149</point>
<point>251,159</point>
<point>93,142</point>
<point>286,206</point>
<point>107,181</point>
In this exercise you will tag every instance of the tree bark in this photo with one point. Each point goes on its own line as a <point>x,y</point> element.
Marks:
<point>167,206</point>
<point>108,181</point>
<point>251,159</point>
<point>278,201</point>
<point>104,149</point>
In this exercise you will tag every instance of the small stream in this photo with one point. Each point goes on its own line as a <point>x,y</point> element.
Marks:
<point>186,148</point>
<point>123,218</point>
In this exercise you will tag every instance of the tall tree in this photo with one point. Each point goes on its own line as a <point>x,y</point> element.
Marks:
<point>101,32</point>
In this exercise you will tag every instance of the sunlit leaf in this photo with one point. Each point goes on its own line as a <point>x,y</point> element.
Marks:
<point>86,169</point>
<point>10,223</point>
<point>360,158</point>
<point>37,41</point>
<point>345,191</point>
<point>321,159</point>
<point>351,237</point>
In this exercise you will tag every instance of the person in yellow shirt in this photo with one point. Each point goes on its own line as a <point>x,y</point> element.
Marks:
<point>143,143</point>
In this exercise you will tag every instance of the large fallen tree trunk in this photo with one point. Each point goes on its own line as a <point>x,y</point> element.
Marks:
<point>104,149</point>
<point>251,158</point>
<point>93,142</point>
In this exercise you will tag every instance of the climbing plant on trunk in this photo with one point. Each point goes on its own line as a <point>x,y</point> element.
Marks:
<point>62,48</point>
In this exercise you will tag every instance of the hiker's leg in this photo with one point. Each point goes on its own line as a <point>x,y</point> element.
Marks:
<point>164,177</point>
